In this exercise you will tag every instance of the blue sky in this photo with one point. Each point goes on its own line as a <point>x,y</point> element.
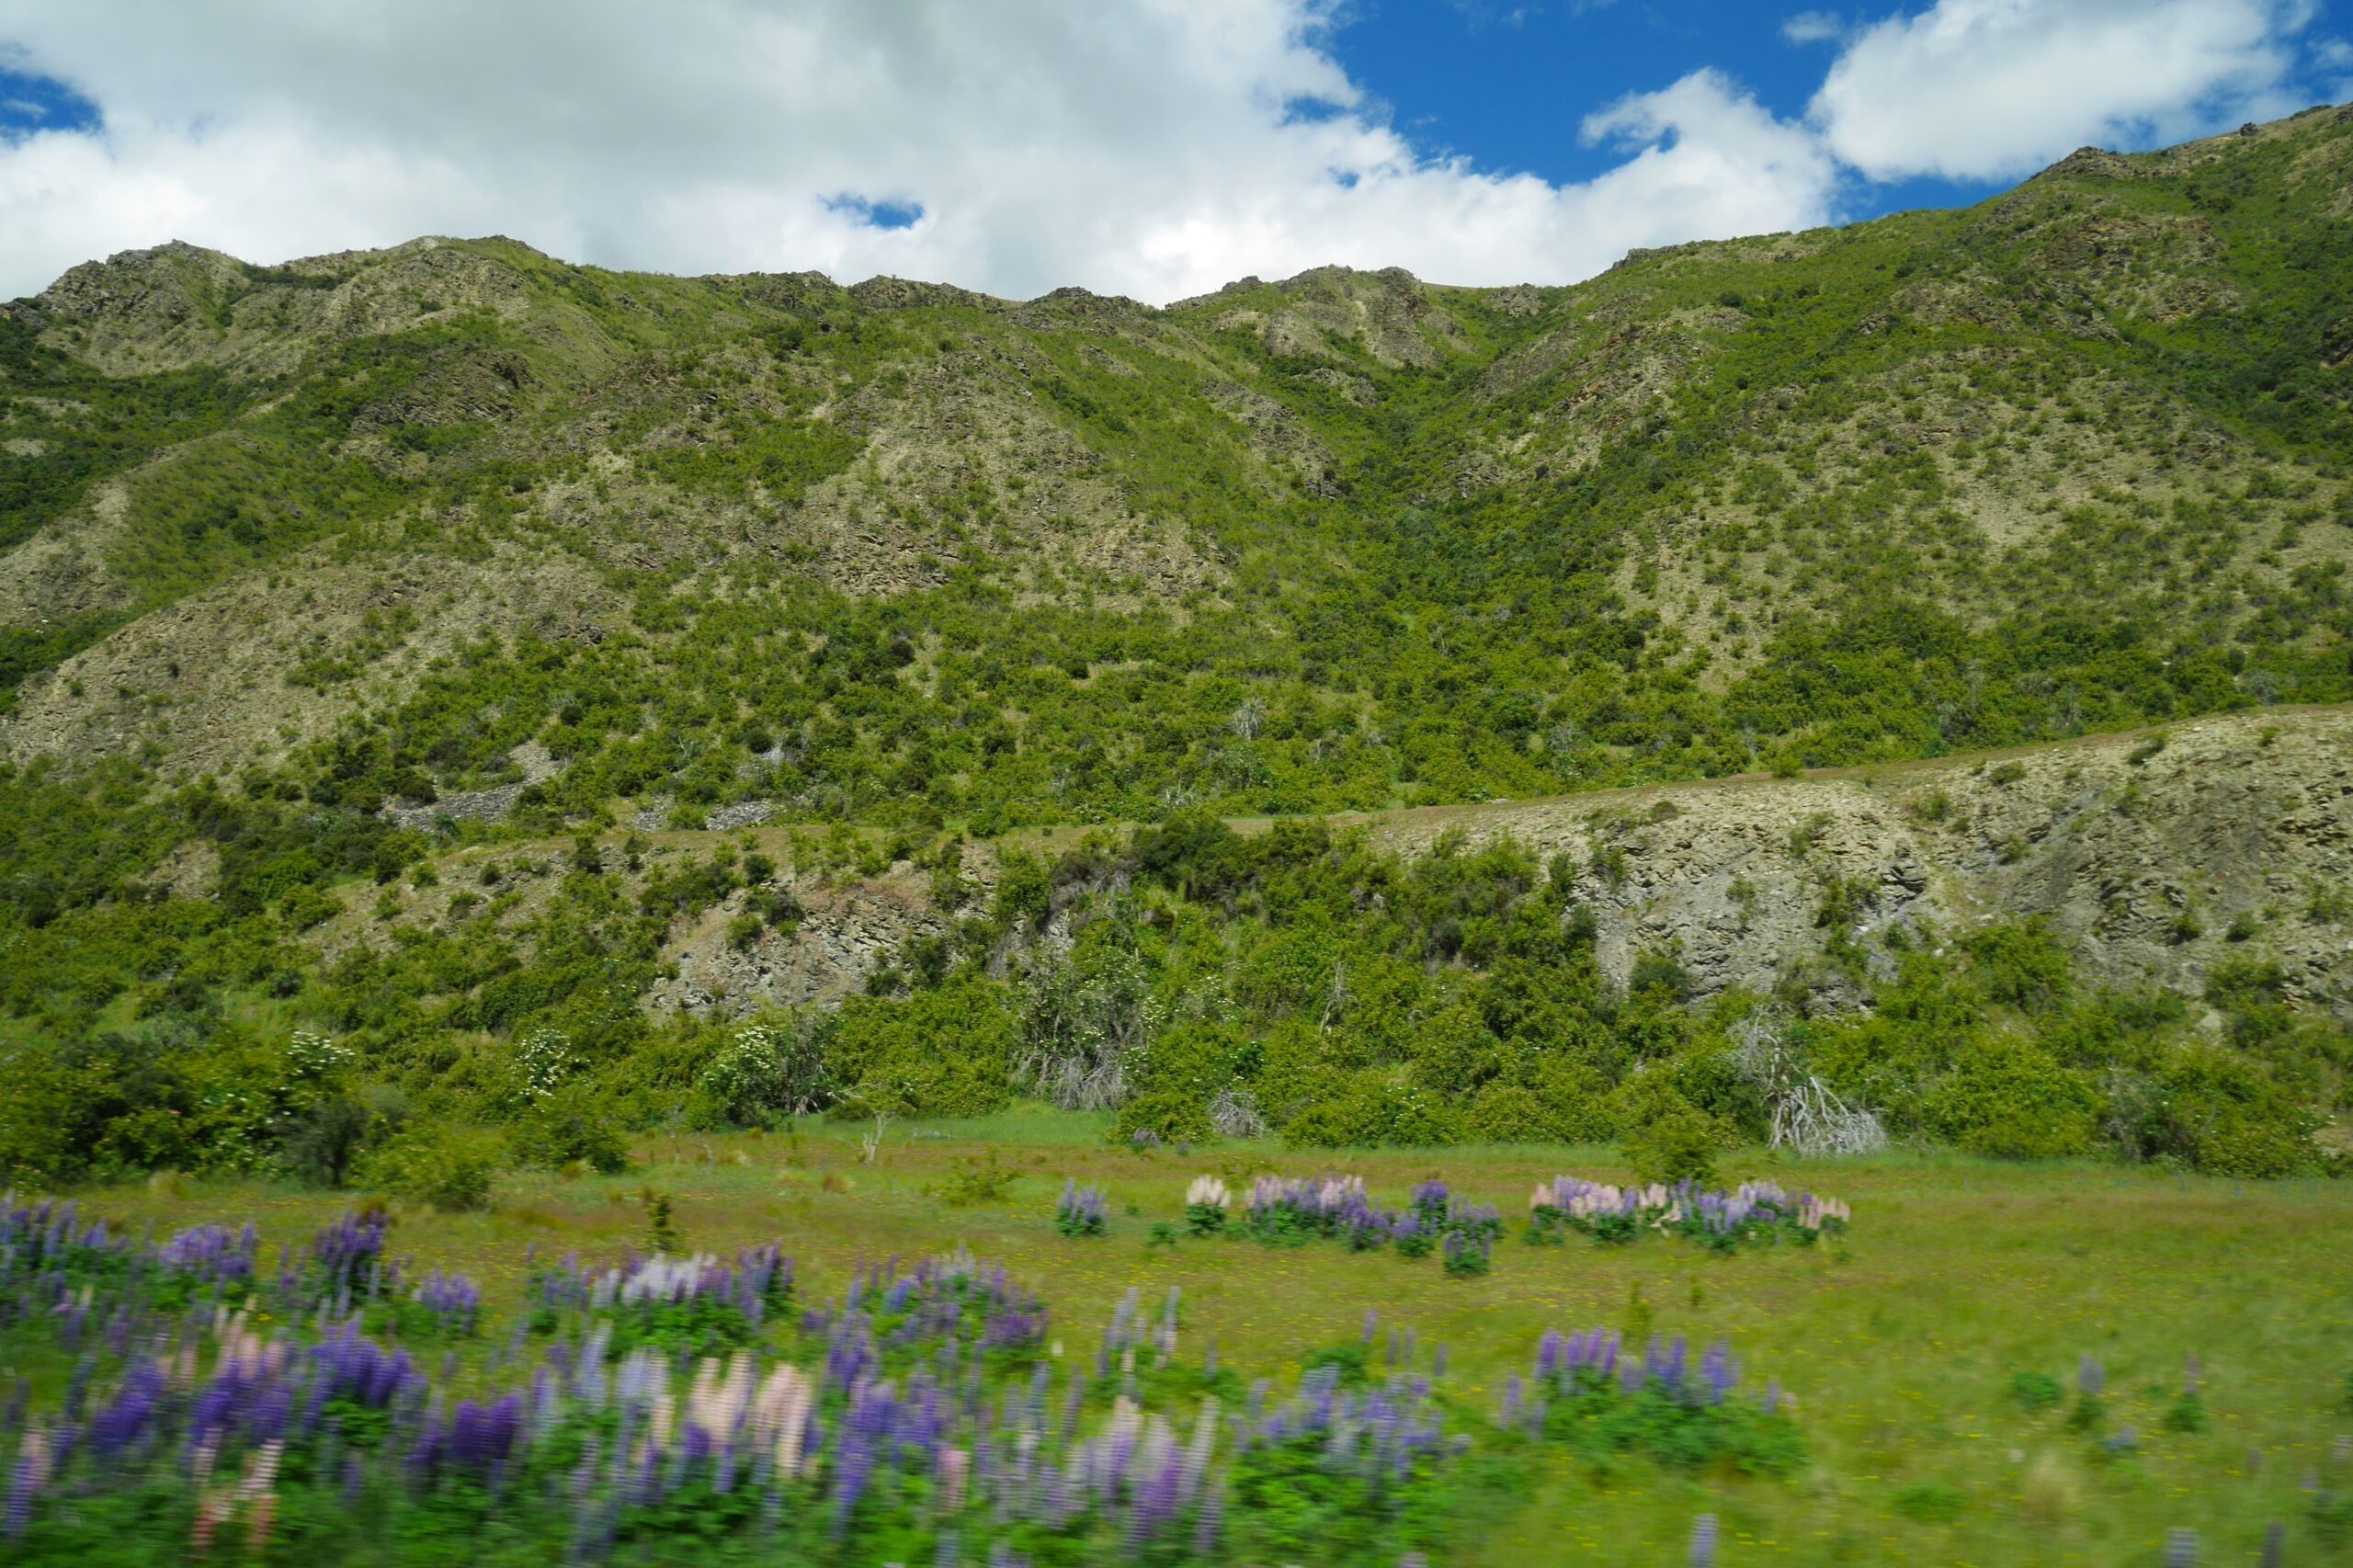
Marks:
<point>1149,147</point>
<point>29,101</point>
<point>1506,83</point>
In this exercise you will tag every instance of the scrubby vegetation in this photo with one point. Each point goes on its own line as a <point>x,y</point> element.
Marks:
<point>1302,979</point>
<point>912,572</point>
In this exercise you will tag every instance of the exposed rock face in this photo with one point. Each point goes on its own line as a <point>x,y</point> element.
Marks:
<point>844,935</point>
<point>2150,862</point>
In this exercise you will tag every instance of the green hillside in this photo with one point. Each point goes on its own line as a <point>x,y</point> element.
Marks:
<point>312,577</point>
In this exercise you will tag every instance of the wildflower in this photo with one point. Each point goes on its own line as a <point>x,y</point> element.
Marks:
<point>1206,1206</point>
<point>452,1301</point>
<point>1703,1541</point>
<point>1467,1254</point>
<point>1083,1211</point>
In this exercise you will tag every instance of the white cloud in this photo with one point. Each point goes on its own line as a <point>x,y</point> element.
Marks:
<point>1706,148</point>
<point>1157,147</point>
<point>1150,147</point>
<point>1985,89</point>
<point>1814,27</point>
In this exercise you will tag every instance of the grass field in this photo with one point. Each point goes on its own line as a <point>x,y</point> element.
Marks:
<point>1898,1343</point>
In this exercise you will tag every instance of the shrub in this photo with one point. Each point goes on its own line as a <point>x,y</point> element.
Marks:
<point>767,1068</point>
<point>449,1168</point>
<point>323,1142</point>
<point>572,1124</point>
<point>1172,1116</point>
<point>1343,1122</point>
<point>2010,1099</point>
<point>944,1053</point>
<point>2035,1390</point>
<point>2225,1114</point>
<point>1680,1145</point>
<point>974,1178</point>
<point>1511,1113</point>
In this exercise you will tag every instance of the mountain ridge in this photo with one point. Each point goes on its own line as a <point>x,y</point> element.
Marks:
<point>1628,366</point>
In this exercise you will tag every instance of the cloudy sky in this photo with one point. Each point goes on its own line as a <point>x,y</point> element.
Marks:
<point>1157,148</point>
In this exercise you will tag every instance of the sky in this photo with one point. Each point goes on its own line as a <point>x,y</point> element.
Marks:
<point>1155,148</point>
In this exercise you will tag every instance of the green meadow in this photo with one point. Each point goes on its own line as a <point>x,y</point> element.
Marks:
<point>1906,1348</point>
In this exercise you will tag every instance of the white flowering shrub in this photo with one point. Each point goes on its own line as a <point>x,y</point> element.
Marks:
<point>543,1059</point>
<point>310,1055</point>
<point>766,1070</point>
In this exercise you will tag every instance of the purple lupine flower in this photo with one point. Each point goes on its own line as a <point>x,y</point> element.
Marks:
<point>1703,1541</point>
<point>2181,1549</point>
<point>129,1419</point>
<point>213,1253</point>
<point>350,1367</point>
<point>344,1263</point>
<point>24,1485</point>
<point>1467,1252</point>
<point>1206,1525</point>
<point>2091,1378</point>
<point>1083,1211</point>
<point>1717,1373</point>
<point>481,1437</point>
<point>452,1301</point>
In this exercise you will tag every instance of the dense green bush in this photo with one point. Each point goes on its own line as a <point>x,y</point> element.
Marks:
<point>944,1053</point>
<point>1170,1115</point>
<point>447,1166</point>
<point>2225,1114</point>
<point>574,1124</point>
<point>1674,1145</point>
<point>2008,1097</point>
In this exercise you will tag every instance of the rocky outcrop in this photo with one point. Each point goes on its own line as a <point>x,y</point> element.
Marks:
<point>2152,855</point>
<point>845,934</point>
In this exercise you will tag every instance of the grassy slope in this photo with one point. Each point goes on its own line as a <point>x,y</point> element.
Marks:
<point>1899,1347</point>
<point>2062,461</point>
